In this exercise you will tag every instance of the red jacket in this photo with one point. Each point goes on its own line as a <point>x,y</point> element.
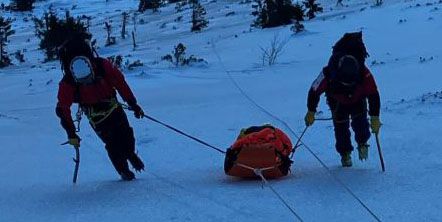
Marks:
<point>103,89</point>
<point>365,89</point>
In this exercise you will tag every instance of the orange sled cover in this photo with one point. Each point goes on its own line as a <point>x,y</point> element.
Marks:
<point>259,147</point>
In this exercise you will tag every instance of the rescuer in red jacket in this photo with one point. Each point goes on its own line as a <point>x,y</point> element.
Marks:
<point>348,84</point>
<point>93,83</point>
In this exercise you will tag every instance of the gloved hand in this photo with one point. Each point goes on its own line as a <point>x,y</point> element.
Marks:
<point>375,124</point>
<point>138,112</point>
<point>309,118</point>
<point>74,141</point>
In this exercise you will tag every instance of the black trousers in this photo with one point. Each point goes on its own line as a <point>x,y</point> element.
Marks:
<point>118,137</point>
<point>344,116</point>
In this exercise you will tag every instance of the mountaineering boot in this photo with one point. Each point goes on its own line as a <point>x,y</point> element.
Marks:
<point>346,159</point>
<point>127,175</point>
<point>363,151</point>
<point>136,162</point>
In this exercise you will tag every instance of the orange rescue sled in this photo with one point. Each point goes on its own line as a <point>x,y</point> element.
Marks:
<point>259,147</point>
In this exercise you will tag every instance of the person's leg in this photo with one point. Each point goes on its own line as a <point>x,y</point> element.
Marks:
<point>342,136</point>
<point>110,133</point>
<point>343,140</point>
<point>127,142</point>
<point>361,128</point>
<point>341,125</point>
<point>115,155</point>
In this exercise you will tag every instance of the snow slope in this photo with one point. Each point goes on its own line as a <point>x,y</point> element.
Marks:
<point>184,181</point>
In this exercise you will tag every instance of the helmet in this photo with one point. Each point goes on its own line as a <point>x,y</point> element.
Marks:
<point>81,70</point>
<point>76,56</point>
<point>348,70</point>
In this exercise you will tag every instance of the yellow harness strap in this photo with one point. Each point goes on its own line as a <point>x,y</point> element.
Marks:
<point>96,118</point>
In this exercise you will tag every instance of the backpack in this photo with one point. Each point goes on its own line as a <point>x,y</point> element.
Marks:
<point>264,147</point>
<point>349,45</point>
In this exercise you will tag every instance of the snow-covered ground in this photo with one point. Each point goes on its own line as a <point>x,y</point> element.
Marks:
<point>184,181</point>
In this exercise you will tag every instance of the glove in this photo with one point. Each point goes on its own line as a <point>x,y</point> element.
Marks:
<point>74,141</point>
<point>309,118</point>
<point>138,112</point>
<point>375,124</point>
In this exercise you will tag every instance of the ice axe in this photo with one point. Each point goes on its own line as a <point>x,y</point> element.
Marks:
<point>76,161</point>
<point>380,151</point>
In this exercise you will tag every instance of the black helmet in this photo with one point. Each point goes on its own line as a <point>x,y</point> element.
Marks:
<point>348,70</point>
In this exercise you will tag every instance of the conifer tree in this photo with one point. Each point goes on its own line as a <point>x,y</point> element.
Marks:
<point>272,13</point>
<point>5,32</point>
<point>198,20</point>
<point>53,31</point>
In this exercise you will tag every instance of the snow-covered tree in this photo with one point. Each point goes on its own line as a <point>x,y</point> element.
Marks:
<point>5,32</point>
<point>198,20</point>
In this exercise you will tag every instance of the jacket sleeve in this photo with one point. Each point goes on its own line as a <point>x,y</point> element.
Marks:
<point>116,78</point>
<point>63,110</point>
<point>318,87</point>
<point>374,100</point>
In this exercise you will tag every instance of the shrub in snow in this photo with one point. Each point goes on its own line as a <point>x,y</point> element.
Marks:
<point>149,4</point>
<point>297,27</point>
<point>378,2</point>
<point>178,57</point>
<point>179,7</point>
<point>271,53</point>
<point>179,18</point>
<point>53,31</point>
<point>273,13</point>
<point>117,61</point>
<point>198,20</point>
<point>5,32</point>
<point>123,25</point>
<point>312,8</point>
<point>110,40</point>
<point>22,5</point>
<point>423,59</point>
<point>230,14</point>
<point>134,64</point>
<point>19,56</point>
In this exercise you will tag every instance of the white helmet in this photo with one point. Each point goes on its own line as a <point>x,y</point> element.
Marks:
<point>82,70</point>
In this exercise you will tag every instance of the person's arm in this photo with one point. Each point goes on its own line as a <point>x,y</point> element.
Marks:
<point>314,94</point>
<point>374,102</point>
<point>63,110</point>
<point>318,87</point>
<point>116,78</point>
<point>371,89</point>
